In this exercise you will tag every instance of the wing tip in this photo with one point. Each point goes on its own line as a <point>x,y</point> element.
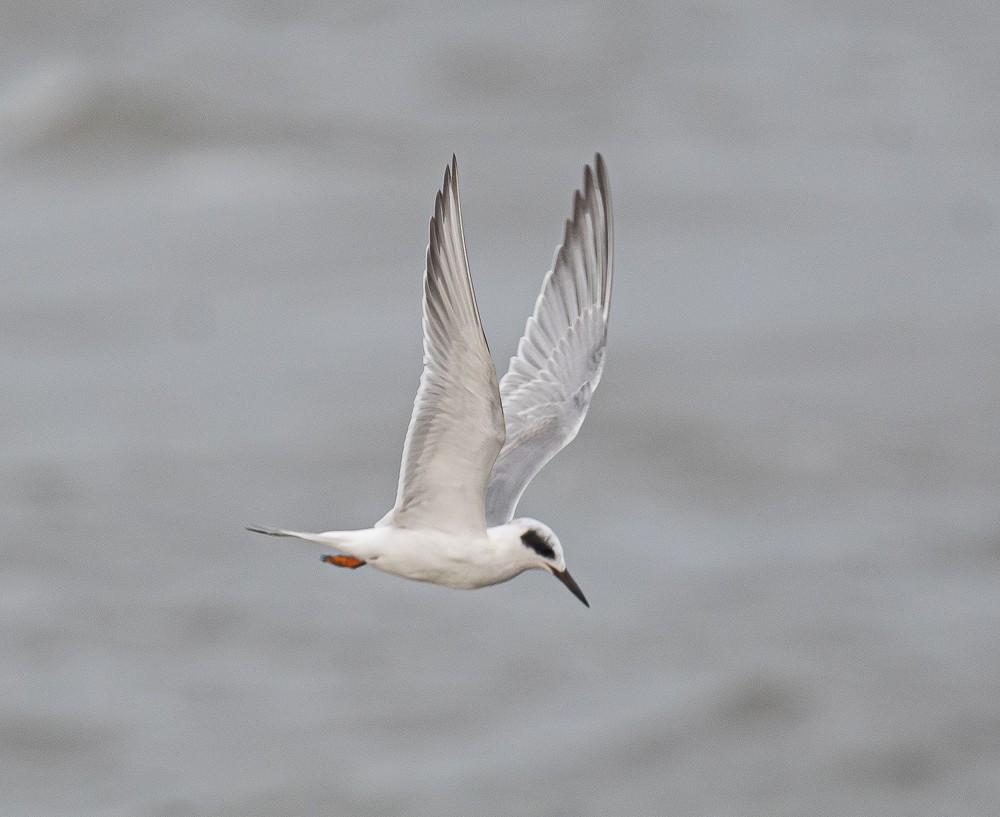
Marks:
<point>443,199</point>
<point>601,173</point>
<point>450,175</point>
<point>604,190</point>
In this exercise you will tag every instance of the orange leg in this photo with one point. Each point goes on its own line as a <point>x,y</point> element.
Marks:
<point>340,560</point>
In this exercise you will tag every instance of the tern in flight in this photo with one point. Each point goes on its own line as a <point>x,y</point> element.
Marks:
<point>474,444</point>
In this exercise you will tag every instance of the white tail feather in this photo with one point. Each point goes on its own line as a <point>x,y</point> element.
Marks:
<point>319,538</point>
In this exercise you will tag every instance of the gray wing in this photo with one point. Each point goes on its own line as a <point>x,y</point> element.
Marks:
<point>457,426</point>
<point>547,389</point>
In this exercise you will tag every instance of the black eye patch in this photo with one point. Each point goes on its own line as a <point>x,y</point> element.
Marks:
<point>534,540</point>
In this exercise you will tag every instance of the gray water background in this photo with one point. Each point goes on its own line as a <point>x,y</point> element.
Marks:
<point>783,505</point>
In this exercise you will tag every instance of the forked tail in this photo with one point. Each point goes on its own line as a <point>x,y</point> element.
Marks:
<point>308,537</point>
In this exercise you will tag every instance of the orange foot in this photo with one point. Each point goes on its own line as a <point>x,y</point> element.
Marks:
<point>340,560</point>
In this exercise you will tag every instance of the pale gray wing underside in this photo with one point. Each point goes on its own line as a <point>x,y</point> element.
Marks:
<point>457,425</point>
<point>547,389</point>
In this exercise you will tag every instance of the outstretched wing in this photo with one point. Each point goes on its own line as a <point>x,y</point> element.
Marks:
<point>547,389</point>
<point>457,426</point>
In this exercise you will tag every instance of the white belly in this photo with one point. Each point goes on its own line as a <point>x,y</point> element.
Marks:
<point>440,558</point>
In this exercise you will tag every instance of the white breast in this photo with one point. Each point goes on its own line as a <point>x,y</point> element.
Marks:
<point>442,558</point>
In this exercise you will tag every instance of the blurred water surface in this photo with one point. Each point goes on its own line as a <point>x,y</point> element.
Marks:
<point>783,506</point>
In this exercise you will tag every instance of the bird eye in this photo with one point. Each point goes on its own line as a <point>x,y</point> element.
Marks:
<point>533,540</point>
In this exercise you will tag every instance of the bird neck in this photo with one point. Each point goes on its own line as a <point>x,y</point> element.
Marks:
<point>505,540</point>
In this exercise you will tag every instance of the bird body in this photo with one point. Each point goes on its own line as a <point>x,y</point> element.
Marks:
<point>473,442</point>
<point>460,561</point>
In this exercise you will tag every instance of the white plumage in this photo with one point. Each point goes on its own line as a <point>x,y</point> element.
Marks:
<point>473,445</point>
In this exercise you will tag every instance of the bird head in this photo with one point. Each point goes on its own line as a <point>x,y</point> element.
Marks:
<point>543,551</point>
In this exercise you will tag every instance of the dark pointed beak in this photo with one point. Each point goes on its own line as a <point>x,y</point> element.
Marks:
<point>574,588</point>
